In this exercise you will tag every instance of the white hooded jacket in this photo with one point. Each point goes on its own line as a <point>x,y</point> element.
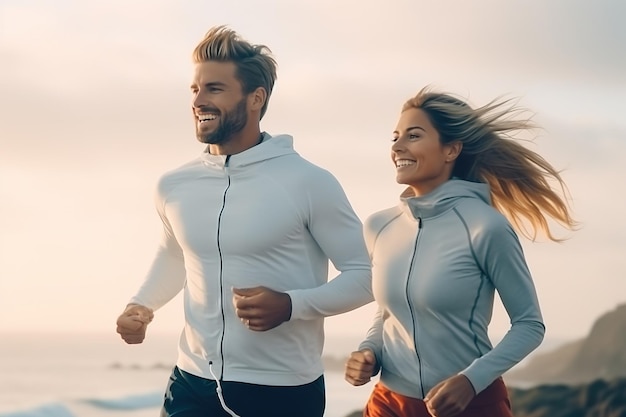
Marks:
<point>265,216</point>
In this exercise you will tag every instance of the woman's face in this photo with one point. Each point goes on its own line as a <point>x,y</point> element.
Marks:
<point>421,160</point>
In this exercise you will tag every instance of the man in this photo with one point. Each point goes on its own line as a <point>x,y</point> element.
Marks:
<point>248,211</point>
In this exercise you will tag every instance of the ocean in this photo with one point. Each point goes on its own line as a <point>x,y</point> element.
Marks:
<point>98,375</point>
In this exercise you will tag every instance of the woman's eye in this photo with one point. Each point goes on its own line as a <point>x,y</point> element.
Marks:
<point>395,138</point>
<point>414,136</point>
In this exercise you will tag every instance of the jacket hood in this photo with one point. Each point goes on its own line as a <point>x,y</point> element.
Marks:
<point>443,198</point>
<point>270,147</point>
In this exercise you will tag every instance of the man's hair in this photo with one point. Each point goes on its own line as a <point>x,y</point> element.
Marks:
<point>255,65</point>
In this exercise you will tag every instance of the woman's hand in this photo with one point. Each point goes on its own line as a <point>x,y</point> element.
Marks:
<point>450,397</point>
<point>360,367</point>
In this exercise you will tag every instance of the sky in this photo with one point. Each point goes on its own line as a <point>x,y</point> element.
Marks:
<point>95,106</point>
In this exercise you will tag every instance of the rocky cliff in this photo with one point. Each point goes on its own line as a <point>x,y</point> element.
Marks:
<point>600,355</point>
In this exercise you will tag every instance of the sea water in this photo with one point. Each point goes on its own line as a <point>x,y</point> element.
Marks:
<point>97,375</point>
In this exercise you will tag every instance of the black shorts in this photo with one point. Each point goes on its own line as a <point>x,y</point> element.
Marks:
<point>188,395</point>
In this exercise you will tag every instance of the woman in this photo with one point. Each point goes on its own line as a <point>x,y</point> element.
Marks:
<point>439,257</point>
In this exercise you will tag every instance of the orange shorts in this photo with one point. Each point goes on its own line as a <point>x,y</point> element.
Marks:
<point>493,401</point>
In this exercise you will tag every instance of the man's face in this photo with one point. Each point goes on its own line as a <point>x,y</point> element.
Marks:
<point>219,106</point>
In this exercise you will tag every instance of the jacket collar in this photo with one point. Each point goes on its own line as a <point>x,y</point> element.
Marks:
<point>442,198</point>
<point>270,147</point>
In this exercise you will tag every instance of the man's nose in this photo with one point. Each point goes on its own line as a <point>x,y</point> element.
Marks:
<point>199,100</point>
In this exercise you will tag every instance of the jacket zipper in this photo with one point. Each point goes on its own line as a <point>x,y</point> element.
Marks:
<point>408,299</point>
<point>221,275</point>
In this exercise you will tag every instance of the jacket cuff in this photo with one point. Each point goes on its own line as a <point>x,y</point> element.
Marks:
<point>297,308</point>
<point>377,354</point>
<point>478,381</point>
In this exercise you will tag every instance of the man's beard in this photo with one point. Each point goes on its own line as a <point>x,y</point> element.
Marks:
<point>230,122</point>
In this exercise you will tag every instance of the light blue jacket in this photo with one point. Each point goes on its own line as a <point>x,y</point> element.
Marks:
<point>437,261</point>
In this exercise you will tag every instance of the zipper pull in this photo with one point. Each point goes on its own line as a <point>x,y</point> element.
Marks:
<point>419,222</point>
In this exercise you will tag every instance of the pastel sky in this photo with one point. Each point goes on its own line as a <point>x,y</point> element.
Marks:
<point>95,106</point>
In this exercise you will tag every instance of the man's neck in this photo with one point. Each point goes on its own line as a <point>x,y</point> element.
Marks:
<point>236,145</point>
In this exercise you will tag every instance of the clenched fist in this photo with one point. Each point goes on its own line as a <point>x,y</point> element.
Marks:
<point>450,397</point>
<point>133,322</point>
<point>261,308</point>
<point>360,367</point>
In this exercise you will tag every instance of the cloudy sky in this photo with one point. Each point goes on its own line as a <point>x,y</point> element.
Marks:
<point>95,107</point>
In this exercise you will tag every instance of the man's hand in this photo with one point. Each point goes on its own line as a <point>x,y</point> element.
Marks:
<point>450,397</point>
<point>261,308</point>
<point>360,367</point>
<point>133,322</point>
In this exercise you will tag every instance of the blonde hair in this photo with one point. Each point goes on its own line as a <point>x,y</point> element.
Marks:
<point>255,65</point>
<point>519,179</point>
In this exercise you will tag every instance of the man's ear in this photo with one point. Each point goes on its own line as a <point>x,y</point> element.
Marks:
<point>453,150</point>
<point>257,99</point>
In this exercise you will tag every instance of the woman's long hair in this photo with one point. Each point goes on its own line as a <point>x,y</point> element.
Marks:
<point>519,179</point>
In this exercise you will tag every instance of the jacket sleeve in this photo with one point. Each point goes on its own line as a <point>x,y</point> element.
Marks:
<point>338,231</point>
<point>374,338</point>
<point>499,254</point>
<point>166,277</point>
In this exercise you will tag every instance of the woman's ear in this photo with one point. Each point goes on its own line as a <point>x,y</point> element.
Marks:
<point>453,150</point>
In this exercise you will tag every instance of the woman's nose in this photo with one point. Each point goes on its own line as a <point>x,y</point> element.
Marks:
<point>397,145</point>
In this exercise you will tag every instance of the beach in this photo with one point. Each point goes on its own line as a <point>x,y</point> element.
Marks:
<point>97,375</point>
